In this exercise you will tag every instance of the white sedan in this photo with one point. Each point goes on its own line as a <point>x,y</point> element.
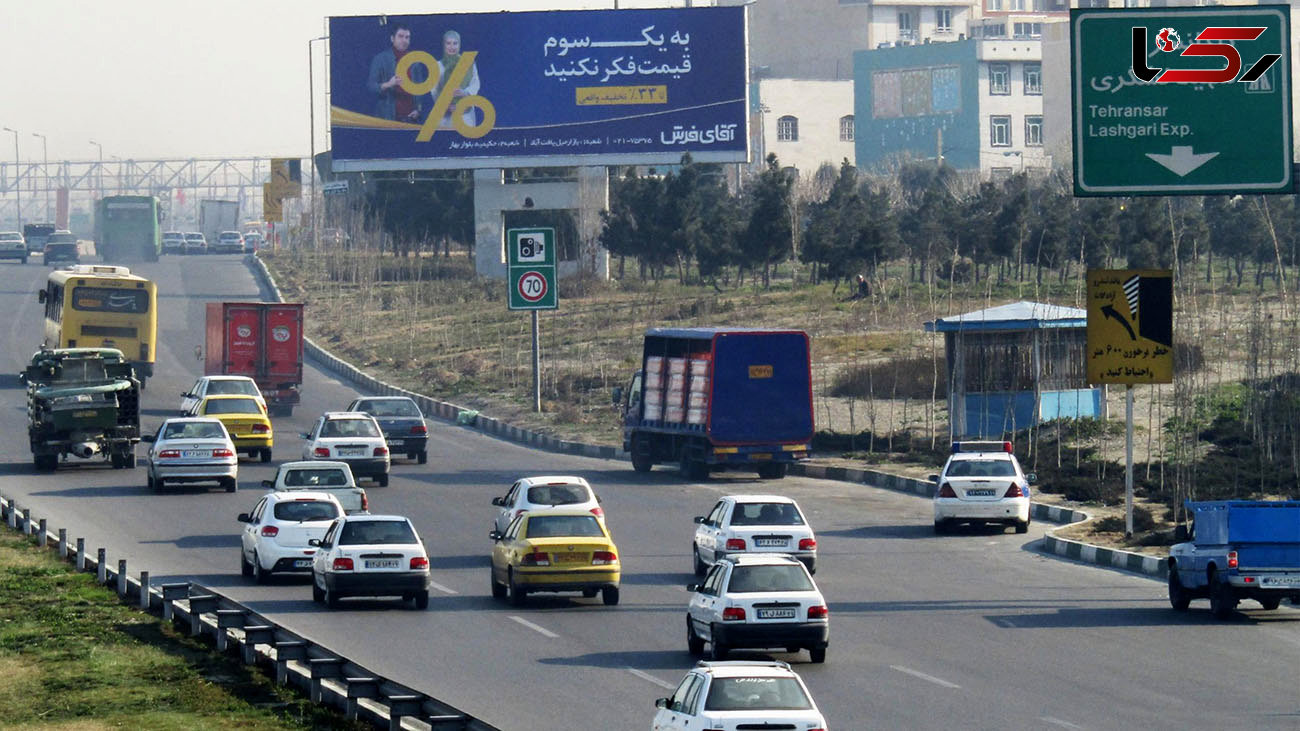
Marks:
<point>740,524</point>
<point>552,492</point>
<point>739,695</point>
<point>276,534</point>
<point>370,555</point>
<point>352,437</point>
<point>192,449</point>
<point>982,483</point>
<point>220,386</point>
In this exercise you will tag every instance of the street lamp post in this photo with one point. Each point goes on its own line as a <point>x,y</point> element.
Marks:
<point>18,184</point>
<point>99,176</point>
<point>311,113</point>
<point>45,172</point>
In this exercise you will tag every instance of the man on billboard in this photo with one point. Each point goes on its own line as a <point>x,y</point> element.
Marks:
<point>391,102</point>
<point>469,85</point>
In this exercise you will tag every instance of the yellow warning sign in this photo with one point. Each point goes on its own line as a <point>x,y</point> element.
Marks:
<point>286,177</point>
<point>1130,326</point>
<point>272,212</point>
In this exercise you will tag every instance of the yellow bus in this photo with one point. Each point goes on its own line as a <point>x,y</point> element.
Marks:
<point>100,306</point>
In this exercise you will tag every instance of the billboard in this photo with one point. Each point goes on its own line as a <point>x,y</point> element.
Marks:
<point>577,87</point>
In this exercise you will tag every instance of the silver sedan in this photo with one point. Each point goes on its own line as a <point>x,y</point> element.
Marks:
<point>192,449</point>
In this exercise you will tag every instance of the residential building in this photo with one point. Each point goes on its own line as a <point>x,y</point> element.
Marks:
<point>805,123</point>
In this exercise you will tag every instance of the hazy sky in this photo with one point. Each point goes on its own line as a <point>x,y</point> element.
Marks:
<point>181,78</point>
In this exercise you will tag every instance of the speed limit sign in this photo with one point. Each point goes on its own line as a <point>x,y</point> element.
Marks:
<point>532,288</point>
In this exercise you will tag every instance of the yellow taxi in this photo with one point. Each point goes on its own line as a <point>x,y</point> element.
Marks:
<point>553,551</point>
<point>244,418</point>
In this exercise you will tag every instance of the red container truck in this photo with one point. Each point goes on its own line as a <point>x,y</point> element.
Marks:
<point>261,340</point>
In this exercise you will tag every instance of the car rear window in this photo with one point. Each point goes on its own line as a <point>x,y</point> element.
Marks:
<point>305,510</point>
<point>10,237</point>
<point>768,694</point>
<point>194,237</point>
<point>981,468</point>
<point>563,526</point>
<point>315,478</point>
<point>557,494</point>
<point>349,428</point>
<point>766,514</point>
<point>783,577</point>
<point>370,532</point>
<point>61,239</point>
<point>232,388</point>
<point>389,407</point>
<point>232,406</point>
<point>194,430</point>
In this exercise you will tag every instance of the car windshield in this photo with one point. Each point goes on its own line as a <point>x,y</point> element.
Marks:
<point>315,478</point>
<point>232,406</point>
<point>194,430</point>
<point>389,407</point>
<point>766,694</point>
<point>981,468</point>
<point>232,388</point>
<point>349,428</point>
<point>782,577</point>
<point>563,526</point>
<point>557,494</point>
<point>766,514</point>
<point>305,510</point>
<point>370,532</point>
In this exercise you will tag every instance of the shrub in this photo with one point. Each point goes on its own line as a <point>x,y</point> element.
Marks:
<point>897,378</point>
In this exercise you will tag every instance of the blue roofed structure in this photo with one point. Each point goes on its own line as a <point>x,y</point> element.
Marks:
<point>1015,365</point>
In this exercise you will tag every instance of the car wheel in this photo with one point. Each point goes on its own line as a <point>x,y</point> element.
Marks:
<point>317,595</point>
<point>331,599</point>
<point>266,455</point>
<point>940,527</point>
<point>149,482</point>
<point>128,461</point>
<point>1222,602</point>
<point>1270,603</point>
<point>771,471</point>
<point>701,568</point>
<point>230,484</point>
<point>260,575</point>
<point>382,480</point>
<point>498,590</point>
<point>642,463</point>
<point>514,593</point>
<point>694,645</point>
<point>422,457</point>
<point>609,595</point>
<point>245,568</point>
<point>718,651</point>
<point>422,600</point>
<point>1178,597</point>
<point>1022,527</point>
<point>817,654</point>
<point>115,459</point>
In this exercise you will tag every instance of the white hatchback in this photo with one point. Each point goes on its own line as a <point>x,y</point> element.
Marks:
<point>220,386</point>
<point>740,524</point>
<point>548,492</point>
<point>276,534</point>
<point>982,483</point>
<point>758,601</point>
<point>370,555</point>
<point>739,695</point>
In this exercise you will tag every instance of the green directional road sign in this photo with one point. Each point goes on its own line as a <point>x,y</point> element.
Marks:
<point>531,252</point>
<point>1189,101</point>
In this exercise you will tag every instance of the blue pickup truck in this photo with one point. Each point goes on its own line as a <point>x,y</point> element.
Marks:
<point>719,398</point>
<point>1234,550</point>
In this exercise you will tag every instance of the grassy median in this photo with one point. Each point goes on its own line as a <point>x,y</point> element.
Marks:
<point>73,656</point>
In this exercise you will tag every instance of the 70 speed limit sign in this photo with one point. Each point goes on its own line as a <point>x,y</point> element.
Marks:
<point>532,288</point>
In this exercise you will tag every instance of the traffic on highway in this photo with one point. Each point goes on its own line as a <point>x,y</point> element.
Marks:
<point>603,587</point>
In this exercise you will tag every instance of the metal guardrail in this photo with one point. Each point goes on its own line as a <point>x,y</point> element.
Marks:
<point>325,676</point>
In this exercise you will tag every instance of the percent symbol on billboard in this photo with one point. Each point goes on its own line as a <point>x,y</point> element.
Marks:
<point>447,95</point>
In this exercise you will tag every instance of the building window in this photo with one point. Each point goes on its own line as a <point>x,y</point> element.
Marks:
<point>943,20</point>
<point>1017,5</point>
<point>1033,78</point>
<point>1132,3</point>
<point>1034,130</point>
<point>992,30</point>
<point>906,31</point>
<point>787,129</point>
<point>999,175</point>
<point>1000,131</point>
<point>999,78</point>
<point>1028,30</point>
<point>995,5</point>
<point>846,128</point>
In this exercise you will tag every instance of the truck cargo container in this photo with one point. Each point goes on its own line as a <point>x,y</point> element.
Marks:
<point>260,340</point>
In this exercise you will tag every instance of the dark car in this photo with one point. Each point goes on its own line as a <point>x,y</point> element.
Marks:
<point>402,424</point>
<point>61,248</point>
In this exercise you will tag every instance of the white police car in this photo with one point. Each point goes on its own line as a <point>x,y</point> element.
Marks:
<point>982,483</point>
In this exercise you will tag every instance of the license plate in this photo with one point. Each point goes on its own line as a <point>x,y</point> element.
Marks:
<point>980,492</point>
<point>776,614</point>
<point>395,442</point>
<point>196,453</point>
<point>1280,581</point>
<point>569,558</point>
<point>84,414</point>
<point>770,542</point>
<point>302,563</point>
<point>352,452</point>
<point>382,563</point>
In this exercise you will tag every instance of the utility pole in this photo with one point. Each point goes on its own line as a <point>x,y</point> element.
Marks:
<point>311,162</point>
<point>45,172</point>
<point>18,183</point>
<point>99,171</point>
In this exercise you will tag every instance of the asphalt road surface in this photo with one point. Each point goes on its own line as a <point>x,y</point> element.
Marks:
<point>974,630</point>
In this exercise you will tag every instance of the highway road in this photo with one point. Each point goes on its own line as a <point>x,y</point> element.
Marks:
<point>974,630</point>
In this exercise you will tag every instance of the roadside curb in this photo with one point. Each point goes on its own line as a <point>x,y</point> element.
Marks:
<point>1066,548</point>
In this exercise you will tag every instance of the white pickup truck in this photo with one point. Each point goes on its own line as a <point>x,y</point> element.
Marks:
<point>334,478</point>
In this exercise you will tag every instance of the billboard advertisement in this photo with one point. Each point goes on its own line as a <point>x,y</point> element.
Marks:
<point>578,87</point>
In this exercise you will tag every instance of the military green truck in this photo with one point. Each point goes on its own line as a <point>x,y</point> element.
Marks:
<point>82,402</point>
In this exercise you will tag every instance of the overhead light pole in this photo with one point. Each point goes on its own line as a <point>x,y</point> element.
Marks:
<point>311,114</point>
<point>45,172</point>
<point>18,185</point>
<point>99,178</point>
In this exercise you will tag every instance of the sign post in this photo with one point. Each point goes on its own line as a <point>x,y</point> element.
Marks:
<point>1130,341</point>
<point>531,253</point>
<point>1181,101</point>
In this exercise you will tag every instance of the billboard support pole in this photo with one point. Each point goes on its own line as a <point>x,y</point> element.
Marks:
<point>537,364</point>
<point>1128,461</point>
<point>311,114</point>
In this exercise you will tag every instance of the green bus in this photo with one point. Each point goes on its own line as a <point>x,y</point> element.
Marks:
<point>128,228</point>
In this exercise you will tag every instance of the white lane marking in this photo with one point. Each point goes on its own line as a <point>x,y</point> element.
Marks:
<point>651,678</point>
<point>442,588</point>
<point>923,676</point>
<point>1058,722</point>
<point>535,627</point>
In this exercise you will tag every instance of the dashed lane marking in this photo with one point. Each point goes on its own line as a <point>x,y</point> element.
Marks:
<point>443,589</point>
<point>535,627</point>
<point>1058,722</point>
<point>923,676</point>
<point>647,676</point>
